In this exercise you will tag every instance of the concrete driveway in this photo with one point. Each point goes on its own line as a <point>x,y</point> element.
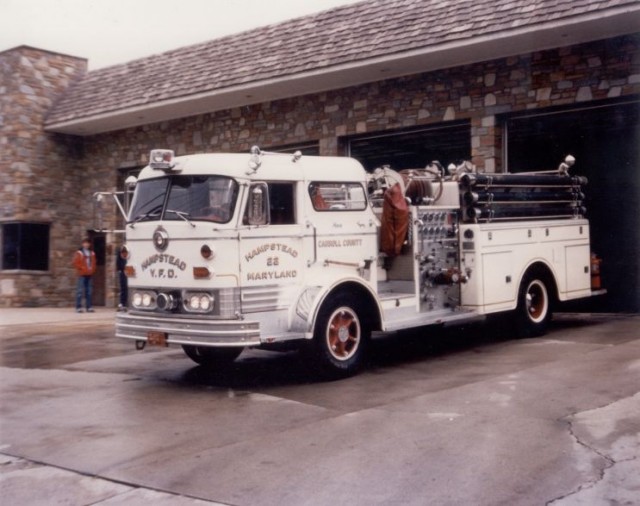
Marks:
<point>464,416</point>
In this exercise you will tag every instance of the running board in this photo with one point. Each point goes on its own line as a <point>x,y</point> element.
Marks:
<point>441,317</point>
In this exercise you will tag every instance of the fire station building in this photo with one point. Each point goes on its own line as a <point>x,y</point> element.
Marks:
<point>511,85</point>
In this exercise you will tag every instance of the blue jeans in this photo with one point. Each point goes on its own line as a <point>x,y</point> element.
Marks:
<point>123,288</point>
<point>83,286</point>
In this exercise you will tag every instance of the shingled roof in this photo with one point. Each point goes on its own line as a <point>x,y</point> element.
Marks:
<point>348,45</point>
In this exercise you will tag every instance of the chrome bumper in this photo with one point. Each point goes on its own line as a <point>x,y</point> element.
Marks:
<point>195,332</point>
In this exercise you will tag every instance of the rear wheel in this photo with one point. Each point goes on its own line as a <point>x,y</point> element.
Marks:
<point>534,305</point>
<point>341,336</point>
<point>211,357</point>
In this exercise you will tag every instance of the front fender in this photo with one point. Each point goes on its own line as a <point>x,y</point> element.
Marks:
<point>304,311</point>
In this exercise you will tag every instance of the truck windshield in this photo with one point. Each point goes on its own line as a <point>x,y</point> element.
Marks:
<point>210,198</point>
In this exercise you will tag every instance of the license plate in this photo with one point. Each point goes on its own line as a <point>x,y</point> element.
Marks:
<point>155,338</point>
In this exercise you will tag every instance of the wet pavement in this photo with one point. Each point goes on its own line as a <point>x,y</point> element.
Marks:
<point>465,416</point>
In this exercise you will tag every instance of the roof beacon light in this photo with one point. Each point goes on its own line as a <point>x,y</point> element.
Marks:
<point>162,159</point>
<point>254,160</point>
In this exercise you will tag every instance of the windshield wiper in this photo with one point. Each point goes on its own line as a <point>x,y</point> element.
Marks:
<point>150,214</point>
<point>181,214</point>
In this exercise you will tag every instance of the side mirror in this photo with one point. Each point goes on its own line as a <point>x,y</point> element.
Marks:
<point>258,205</point>
<point>129,185</point>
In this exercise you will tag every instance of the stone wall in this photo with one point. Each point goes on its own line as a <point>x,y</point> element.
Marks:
<point>41,173</point>
<point>479,92</point>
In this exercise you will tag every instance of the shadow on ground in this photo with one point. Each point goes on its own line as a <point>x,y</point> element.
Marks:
<point>258,368</point>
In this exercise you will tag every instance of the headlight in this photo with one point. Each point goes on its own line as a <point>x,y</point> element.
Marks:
<point>194,302</point>
<point>205,303</point>
<point>144,299</point>
<point>198,302</point>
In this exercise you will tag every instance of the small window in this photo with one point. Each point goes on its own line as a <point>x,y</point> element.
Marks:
<point>25,246</point>
<point>337,196</point>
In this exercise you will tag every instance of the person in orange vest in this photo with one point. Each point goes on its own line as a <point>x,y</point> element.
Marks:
<point>84,261</point>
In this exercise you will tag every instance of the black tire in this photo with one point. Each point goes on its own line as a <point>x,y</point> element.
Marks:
<point>534,310</point>
<point>341,338</point>
<point>212,357</point>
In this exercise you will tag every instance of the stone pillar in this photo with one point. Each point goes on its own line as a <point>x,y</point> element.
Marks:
<point>39,171</point>
<point>329,146</point>
<point>486,143</point>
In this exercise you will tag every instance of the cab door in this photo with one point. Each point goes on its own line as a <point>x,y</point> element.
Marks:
<point>271,259</point>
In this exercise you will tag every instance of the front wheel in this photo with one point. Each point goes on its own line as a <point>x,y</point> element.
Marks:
<point>534,306</point>
<point>340,338</point>
<point>212,357</point>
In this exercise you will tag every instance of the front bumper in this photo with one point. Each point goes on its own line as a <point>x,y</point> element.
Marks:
<point>188,331</point>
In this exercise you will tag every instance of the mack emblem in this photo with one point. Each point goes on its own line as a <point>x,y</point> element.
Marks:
<point>160,239</point>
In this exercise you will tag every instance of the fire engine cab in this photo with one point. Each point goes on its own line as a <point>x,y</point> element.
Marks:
<point>229,251</point>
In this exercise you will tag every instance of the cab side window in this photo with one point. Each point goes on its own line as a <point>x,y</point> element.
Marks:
<point>281,197</point>
<point>282,203</point>
<point>337,196</point>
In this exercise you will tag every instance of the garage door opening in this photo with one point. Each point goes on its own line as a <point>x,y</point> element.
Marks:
<point>414,148</point>
<point>604,140</point>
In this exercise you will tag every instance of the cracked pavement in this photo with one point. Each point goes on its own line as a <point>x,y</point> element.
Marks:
<point>612,434</point>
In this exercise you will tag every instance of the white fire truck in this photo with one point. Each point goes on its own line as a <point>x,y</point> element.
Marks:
<point>229,251</point>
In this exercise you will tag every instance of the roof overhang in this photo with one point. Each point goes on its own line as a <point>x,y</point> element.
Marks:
<point>575,30</point>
